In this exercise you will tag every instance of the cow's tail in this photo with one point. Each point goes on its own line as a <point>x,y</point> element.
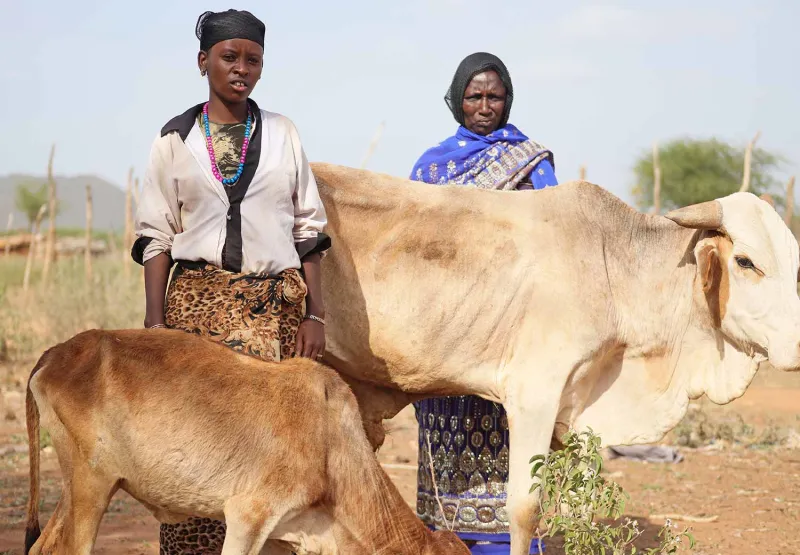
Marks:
<point>32,530</point>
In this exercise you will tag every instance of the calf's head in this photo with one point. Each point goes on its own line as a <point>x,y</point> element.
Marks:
<point>748,268</point>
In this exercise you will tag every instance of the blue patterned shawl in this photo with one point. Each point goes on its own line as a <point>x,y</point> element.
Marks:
<point>500,160</point>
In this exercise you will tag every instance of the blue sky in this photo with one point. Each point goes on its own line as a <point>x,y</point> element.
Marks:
<point>597,82</point>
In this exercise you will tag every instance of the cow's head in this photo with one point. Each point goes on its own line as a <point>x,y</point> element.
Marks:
<point>749,273</point>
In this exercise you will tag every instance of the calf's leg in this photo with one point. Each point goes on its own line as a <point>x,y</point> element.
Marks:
<point>53,533</point>
<point>85,495</point>
<point>90,495</point>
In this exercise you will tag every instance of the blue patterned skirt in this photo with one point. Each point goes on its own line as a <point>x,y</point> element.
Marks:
<point>469,445</point>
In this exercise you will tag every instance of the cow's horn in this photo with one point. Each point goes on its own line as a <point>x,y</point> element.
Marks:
<point>705,215</point>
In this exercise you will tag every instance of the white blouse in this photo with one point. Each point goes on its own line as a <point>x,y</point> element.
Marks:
<point>265,223</point>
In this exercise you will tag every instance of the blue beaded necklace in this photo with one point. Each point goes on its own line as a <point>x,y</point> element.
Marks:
<point>210,147</point>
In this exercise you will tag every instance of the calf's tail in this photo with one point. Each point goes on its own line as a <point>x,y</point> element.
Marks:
<point>32,530</point>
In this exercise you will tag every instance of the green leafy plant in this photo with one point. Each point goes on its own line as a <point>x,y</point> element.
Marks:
<point>576,498</point>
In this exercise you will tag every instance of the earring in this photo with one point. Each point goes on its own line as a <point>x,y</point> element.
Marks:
<point>202,73</point>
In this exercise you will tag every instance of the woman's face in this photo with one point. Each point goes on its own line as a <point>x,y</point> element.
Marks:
<point>234,67</point>
<point>484,102</point>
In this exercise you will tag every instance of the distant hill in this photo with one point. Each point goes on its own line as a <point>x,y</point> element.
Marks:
<point>108,202</point>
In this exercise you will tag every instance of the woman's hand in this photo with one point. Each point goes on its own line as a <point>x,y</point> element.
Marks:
<point>311,334</point>
<point>310,339</point>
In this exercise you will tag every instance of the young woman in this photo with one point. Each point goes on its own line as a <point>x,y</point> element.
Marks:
<point>230,201</point>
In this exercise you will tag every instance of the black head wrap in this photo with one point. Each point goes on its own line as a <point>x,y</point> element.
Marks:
<point>214,27</point>
<point>469,67</point>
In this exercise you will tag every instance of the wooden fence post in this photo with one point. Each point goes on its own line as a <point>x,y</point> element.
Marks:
<point>9,227</point>
<point>126,262</point>
<point>582,173</point>
<point>748,159</point>
<point>373,144</point>
<point>787,216</point>
<point>32,249</point>
<point>656,180</point>
<point>87,257</point>
<point>50,248</point>
<point>136,193</point>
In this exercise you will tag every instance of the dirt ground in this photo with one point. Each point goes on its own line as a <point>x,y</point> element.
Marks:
<point>753,491</point>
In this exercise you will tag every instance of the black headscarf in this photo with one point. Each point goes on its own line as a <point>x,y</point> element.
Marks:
<point>469,67</point>
<point>214,27</point>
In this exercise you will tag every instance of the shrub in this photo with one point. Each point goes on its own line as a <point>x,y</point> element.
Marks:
<point>574,495</point>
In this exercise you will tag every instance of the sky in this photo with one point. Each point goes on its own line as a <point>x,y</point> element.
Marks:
<point>596,82</point>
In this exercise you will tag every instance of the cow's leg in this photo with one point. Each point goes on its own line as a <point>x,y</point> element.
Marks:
<point>531,417</point>
<point>249,523</point>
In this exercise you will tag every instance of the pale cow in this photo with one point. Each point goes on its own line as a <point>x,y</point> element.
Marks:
<point>189,427</point>
<point>565,305</point>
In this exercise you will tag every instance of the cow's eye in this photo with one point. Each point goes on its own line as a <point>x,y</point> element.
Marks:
<point>745,263</point>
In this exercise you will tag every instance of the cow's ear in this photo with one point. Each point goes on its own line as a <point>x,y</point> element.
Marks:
<point>710,270</point>
<point>708,266</point>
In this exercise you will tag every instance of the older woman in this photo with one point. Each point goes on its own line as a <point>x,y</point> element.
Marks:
<point>230,199</point>
<point>469,436</point>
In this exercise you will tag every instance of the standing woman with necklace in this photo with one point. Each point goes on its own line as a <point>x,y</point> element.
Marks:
<point>230,200</point>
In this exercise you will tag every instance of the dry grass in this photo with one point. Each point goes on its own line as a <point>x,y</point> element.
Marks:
<point>701,427</point>
<point>45,315</point>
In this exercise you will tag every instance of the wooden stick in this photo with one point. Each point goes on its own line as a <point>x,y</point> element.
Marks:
<point>450,525</point>
<point>789,214</point>
<point>31,250</point>
<point>126,262</point>
<point>582,173</point>
<point>87,256</point>
<point>9,227</point>
<point>656,180</point>
<point>748,158</point>
<point>50,248</point>
<point>373,144</point>
<point>686,518</point>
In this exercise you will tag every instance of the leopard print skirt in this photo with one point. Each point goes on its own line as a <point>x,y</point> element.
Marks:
<point>257,315</point>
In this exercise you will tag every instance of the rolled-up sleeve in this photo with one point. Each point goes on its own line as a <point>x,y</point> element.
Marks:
<point>158,216</point>
<point>309,213</point>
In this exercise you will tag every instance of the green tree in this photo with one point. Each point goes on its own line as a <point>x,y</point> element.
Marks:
<point>695,171</point>
<point>29,200</point>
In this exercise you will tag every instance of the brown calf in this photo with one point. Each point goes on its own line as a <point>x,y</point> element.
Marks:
<point>189,427</point>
